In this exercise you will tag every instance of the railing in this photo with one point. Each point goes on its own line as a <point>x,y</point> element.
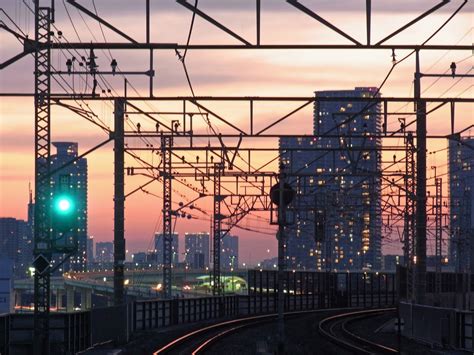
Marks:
<point>4,333</point>
<point>68,332</point>
<point>451,282</point>
<point>311,290</point>
<point>73,332</point>
<point>302,291</point>
<point>465,330</point>
<point>152,314</point>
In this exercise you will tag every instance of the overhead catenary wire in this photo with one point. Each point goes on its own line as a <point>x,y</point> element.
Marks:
<point>189,36</point>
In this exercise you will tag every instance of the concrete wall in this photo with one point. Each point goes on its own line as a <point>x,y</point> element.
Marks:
<point>447,328</point>
<point>111,324</point>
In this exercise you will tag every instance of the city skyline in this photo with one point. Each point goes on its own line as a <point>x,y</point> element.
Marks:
<point>272,73</point>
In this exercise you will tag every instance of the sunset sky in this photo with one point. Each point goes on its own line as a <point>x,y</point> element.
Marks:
<point>221,73</point>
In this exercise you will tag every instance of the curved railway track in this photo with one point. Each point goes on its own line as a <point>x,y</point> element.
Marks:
<point>198,341</point>
<point>335,329</point>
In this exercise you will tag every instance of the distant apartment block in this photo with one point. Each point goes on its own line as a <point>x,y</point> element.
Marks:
<point>104,252</point>
<point>229,252</point>
<point>90,250</point>
<point>196,252</point>
<point>16,245</point>
<point>461,203</point>
<point>174,248</point>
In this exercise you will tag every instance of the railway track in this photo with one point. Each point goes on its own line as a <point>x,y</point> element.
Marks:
<point>198,341</point>
<point>335,329</point>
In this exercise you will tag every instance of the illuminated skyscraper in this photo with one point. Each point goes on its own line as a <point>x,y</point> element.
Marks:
<point>196,252</point>
<point>461,197</point>
<point>337,221</point>
<point>229,252</point>
<point>74,176</point>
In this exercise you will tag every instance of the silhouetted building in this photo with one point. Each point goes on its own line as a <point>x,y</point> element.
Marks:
<point>196,247</point>
<point>139,257</point>
<point>390,262</point>
<point>104,252</point>
<point>174,248</point>
<point>461,202</point>
<point>31,221</point>
<point>16,245</point>
<point>74,176</point>
<point>337,223</point>
<point>28,242</point>
<point>268,264</point>
<point>7,300</point>
<point>90,250</point>
<point>229,252</point>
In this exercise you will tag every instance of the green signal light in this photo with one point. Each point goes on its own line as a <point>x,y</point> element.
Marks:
<point>64,205</point>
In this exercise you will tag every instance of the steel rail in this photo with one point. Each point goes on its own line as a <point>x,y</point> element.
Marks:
<point>334,321</point>
<point>359,339</point>
<point>234,324</point>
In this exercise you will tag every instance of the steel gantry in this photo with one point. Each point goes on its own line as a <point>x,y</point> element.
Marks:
<point>409,212</point>
<point>42,226</point>
<point>217,230</point>
<point>166,174</point>
<point>438,212</point>
<point>119,201</point>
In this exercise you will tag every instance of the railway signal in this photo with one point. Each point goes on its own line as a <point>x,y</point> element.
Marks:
<point>63,207</point>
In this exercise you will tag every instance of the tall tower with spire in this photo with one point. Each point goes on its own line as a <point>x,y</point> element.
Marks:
<point>31,209</point>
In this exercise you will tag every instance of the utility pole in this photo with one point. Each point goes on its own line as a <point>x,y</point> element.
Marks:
<point>42,226</point>
<point>438,230</point>
<point>217,231</point>
<point>119,202</point>
<point>409,213</point>
<point>281,264</point>
<point>420,242</point>
<point>166,144</point>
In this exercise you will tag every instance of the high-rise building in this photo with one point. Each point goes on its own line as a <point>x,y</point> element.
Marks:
<point>7,299</point>
<point>90,250</point>
<point>16,245</point>
<point>29,242</point>
<point>461,197</point>
<point>302,251</point>
<point>74,177</point>
<point>229,252</point>
<point>174,248</point>
<point>104,252</point>
<point>31,216</point>
<point>337,208</point>
<point>196,246</point>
